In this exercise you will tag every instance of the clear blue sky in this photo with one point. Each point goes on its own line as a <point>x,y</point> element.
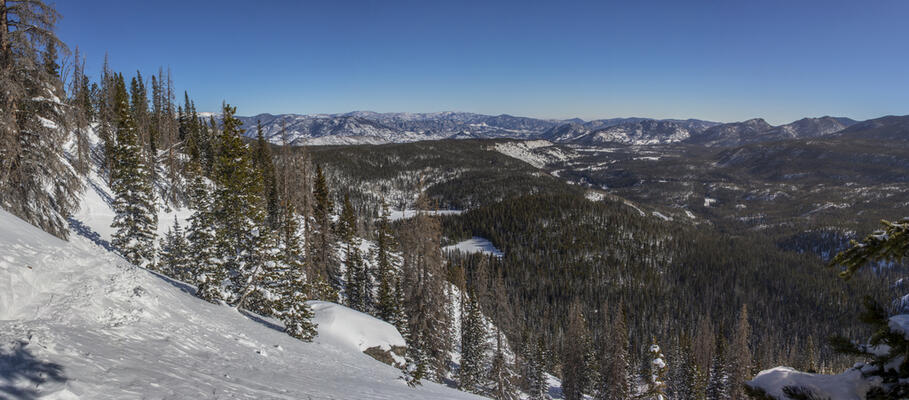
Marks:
<point>722,60</point>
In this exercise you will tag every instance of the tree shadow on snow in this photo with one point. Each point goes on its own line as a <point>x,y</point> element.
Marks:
<point>21,373</point>
<point>263,321</point>
<point>83,230</point>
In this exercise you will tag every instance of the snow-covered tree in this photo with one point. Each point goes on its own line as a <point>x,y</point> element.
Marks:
<point>656,379</point>
<point>135,218</point>
<point>36,182</point>
<point>206,271</point>
<point>718,380</point>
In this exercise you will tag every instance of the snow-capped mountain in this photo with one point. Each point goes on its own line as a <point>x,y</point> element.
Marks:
<point>367,127</point>
<point>758,130</point>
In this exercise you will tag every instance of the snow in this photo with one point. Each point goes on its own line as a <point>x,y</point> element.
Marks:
<point>661,216</point>
<point>594,196</point>
<point>524,151</point>
<point>900,324</point>
<point>475,244</point>
<point>77,321</point>
<point>395,215</point>
<point>343,327</point>
<point>849,385</point>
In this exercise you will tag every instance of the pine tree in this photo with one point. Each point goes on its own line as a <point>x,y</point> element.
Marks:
<point>740,361</point>
<point>537,386</point>
<point>615,366</point>
<point>135,219</point>
<point>207,273</point>
<point>425,300</point>
<point>718,381</point>
<point>387,306</point>
<point>656,379</point>
<point>576,364</point>
<point>500,374</point>
<point>175,255</point>
<point>472,372</point>
<point>293,288</point>
<point>323,239</point>
<point>36,184</point>
<point>263,161</point>
<point>244,246</point>
<point>81,114</point>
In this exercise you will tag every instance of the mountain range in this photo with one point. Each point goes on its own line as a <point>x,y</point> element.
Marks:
<point>366,127</point>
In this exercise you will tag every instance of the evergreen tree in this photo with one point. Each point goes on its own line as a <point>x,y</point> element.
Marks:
<point>293,288</point>
<point>323,239</point>
<point>656,379</point>
<point>615,366</point>
<point>263,161</point>
<point>243,245</point>
<point>425,300</point>
<point>576,364</point>
<point>535,370</point>
<point>387,306</point>
<point>207,273</point>
<point>81,114</point>
<point>472,372</point>
<point>36,184</point>
<point>175,255</point>
<point>740,361</point>
<point>500,374</point>
<point>135,219</point>
<point>718,381</point>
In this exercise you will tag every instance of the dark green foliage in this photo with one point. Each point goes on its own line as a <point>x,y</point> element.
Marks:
<point>323,239</point>
<point>36,183</point>
<point>472,372</point>
<point>136,217</point>
<point>175,255</point>
<point>577,363</point>
<point>262,159</point>
<point>888,244</point>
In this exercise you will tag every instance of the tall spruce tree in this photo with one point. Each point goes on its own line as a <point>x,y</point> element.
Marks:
<point>207,271</point>
<point>576,362</point>
<point>136,218</point>
<point>36,183</point>
<point>175,255</point>
<point>472,372</point>
<point>425,299</point>
<point>615,380</point>
<point>388,308</point>
<point>323,240</point>
<point>740,361</point>
<point>718,381</point>
<point>243,245</point>
<point>501,376</point>
<point>657,376</point>
<point>265,164</point>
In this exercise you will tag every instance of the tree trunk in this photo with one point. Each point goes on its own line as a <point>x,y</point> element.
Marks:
<point>4,35</point>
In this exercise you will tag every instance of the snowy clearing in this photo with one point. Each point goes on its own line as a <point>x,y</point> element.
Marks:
<point>395,215</point>
<point>475,244</point>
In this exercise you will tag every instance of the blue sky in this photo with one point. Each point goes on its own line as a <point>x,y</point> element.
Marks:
<point>723,60</point>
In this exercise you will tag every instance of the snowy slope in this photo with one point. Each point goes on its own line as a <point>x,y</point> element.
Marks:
<point>77,321</point>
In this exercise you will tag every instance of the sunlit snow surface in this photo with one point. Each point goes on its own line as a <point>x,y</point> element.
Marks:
<point>77,321</point>
<point>475,244</point>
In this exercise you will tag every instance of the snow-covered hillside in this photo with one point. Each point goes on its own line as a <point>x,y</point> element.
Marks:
<point>77,321</point>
